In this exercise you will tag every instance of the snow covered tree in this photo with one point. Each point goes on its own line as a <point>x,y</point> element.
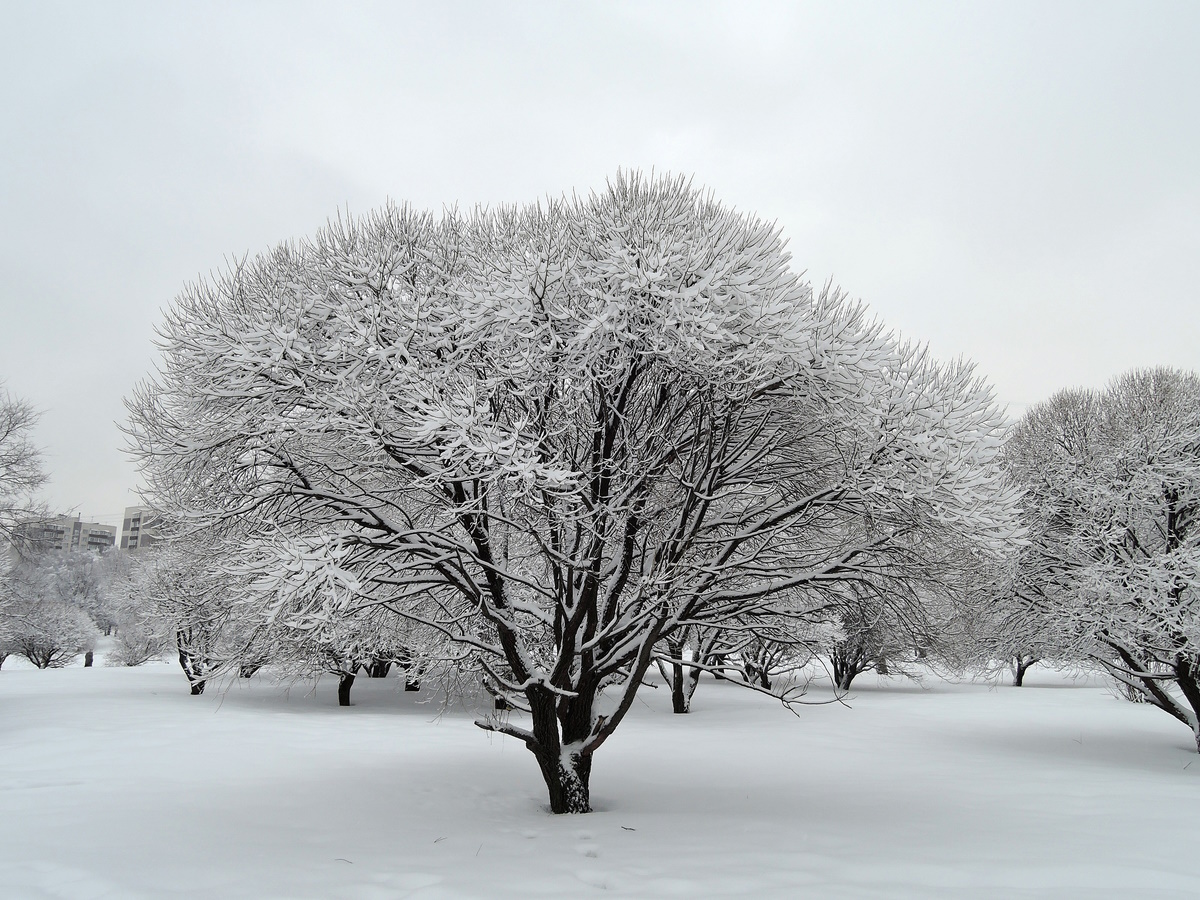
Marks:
<point>137,636</point>
<point>186,599</point>
<point>40,624</point>
<point>1113,492</point>
<point>559,435</point>
<point>21,472</point>
<point>48,612</point>
<point>1013,632</point>
<point>371,640</point>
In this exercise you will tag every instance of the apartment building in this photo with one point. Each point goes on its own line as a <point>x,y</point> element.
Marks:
<point>139,529</point>
<point>64,533</point>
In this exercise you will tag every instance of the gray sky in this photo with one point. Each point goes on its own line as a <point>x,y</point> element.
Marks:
<point>1017,183</point>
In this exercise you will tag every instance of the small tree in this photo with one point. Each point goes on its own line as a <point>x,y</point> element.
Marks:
<point>44,623</point>
<point>21,473</point>
<point>186,600</point>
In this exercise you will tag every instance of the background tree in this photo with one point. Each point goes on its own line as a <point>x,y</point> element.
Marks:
<point>1113,482</point>
<point>42,624</point>
<point>186,599</point>
<point>558,435</point>
<point>137,635</point>
<point>21,473</point>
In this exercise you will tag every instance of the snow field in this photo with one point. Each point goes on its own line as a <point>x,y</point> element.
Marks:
<point>115,783</point>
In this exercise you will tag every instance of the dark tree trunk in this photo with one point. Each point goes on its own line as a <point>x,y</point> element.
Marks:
<point>568,783</point>
<point>679,696</point>
<point>193,666</point>
<point>567,775</point>
<point>87,659</point>
<point>345,682</point>
<point>1021,665</point>
<point>378,668</point>
<point>881,665</point>
<point>1186,672</point>
<point>848,663</point>
<point>755,674</point>
<point>412,684</point>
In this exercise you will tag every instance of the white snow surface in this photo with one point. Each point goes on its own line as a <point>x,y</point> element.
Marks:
<point>115,783</point>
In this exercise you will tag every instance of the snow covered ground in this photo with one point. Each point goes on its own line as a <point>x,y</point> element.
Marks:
<point>115,783</point>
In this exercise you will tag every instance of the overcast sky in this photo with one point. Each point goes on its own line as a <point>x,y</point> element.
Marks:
<point>1016,183</point>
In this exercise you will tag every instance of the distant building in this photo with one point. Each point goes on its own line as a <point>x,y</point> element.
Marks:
<point>64,533</point>
<point>140,528</point>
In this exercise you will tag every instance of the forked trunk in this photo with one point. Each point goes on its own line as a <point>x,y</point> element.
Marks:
<point>566,771</point>
<point>847,664</point>
<point>194,666</point>
<point>87,659</point>
<point>1020,666</point>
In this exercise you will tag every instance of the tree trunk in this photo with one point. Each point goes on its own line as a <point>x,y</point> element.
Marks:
<point>847,663</point>
<point>567,780</point>
<point>193,667</point>
<point>345,682</point>
<point>679,695</point>
<point>1189,685</point>
<point>378,668</point>
<point>412,684</point>
<point>567,774</point>
<point>1021,663</point>
<point>87,659</point>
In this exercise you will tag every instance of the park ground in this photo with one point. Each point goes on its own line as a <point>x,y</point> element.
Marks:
<point>116,783</point>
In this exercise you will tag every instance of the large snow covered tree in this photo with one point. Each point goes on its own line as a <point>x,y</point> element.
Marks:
<point>1112,484</point>
<point>559,435</point>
